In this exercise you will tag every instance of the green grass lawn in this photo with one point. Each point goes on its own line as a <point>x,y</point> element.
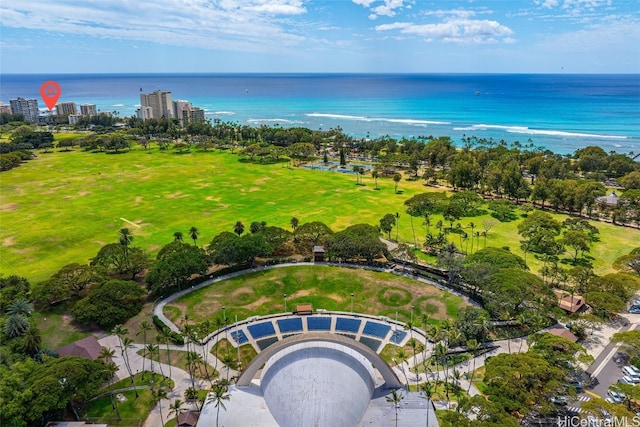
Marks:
<point>63,206</point>
<point>325,287</point>
<point>132,412</point>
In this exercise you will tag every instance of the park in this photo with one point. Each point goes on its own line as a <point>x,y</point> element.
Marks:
<point>65,206</point>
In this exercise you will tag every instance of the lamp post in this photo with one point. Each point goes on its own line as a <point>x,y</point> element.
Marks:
<point>224,314</point>
<point>285,302</point>
<point>351,303</point>
<point>397,223</point>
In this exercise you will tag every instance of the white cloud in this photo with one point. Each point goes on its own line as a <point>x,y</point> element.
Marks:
<point>387,8</point>
<point>454,30</point>
<point>246,25</point>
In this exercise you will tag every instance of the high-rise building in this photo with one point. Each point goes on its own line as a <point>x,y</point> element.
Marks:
<point>160,103</point>
<point>187,113</point>
<point>144,113</point>
<point>5,108</point>
<point>66,108</point>
<point>88,110</point>
<point>27,107</point>
<point>197,115</point>
<point>74,118</point>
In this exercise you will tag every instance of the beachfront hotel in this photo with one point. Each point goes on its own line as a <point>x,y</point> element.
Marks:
<point>27,107</point>
<point>160,104</point>
<point>88,110</point>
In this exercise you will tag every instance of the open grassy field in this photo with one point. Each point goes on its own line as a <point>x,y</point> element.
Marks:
<point>63,206</point>
<point>325,287</point>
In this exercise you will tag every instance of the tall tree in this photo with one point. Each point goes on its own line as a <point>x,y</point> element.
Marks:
<point>194,233</point>
<point>238,228</point>
<point>218,397</point>
<point>395,398</point>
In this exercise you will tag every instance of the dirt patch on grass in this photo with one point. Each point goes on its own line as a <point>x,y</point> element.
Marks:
<point>260,181</point>
<point>9,207</point>
<point>176,195</point>
<point>9,241</point>
<point>262,300</point>
<point>138,200</point>
<point>254,189</point>
<point>313,292</point>
<point>242,290</point>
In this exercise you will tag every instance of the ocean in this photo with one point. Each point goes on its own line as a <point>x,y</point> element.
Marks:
<point>558,112</point>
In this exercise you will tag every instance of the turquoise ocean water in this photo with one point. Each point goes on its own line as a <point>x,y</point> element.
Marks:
<point>558,112</point>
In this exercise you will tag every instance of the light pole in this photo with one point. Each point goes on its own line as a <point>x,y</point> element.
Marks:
<point>397,222</point>
<point>224,314</point>
<point>352,303</point>
<point>285,302</point>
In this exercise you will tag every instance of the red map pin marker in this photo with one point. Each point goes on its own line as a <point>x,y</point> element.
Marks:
<point>50,92</point>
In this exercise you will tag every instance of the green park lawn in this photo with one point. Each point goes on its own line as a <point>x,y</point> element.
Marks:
<point>63,206</point>
<point>325,287</point>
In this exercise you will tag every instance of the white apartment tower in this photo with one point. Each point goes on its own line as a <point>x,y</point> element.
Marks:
<point>66,108</point>
<point>27,107</point>
<point>88,110</point>
<point>160,103</point>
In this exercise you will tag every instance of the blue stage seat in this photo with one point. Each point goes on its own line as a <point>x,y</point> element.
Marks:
<point>319,323</point>
<point>263,329</point>
<point>290,325</point>
<point>239,336</point>
<point>376,329</point>
<point>347,324</point>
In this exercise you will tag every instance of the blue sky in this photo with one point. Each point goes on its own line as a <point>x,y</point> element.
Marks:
<point>407,36</point>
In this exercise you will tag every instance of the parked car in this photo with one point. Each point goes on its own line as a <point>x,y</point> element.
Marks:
<point>577,385</point>
<point>559,400</point>
<point>616,396</point>
<point>634,310</point>
<point>626,379</point>
<point>631,373</point>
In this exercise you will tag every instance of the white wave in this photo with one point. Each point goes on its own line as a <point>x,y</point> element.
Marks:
<point>118,105</point>
<point>221,113</point>
<point>378,119</point>
<point>527,131</point>
<point>274,121</point>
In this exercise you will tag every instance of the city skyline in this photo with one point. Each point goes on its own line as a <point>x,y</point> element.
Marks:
<point>376,36</point>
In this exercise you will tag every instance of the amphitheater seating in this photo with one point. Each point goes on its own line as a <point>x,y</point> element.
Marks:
<point>373,344</point>
<point>398,336</point>
<point>319,323</point>
<point>290,325</point>
<point>239,336</point>
<point>347,324</point>
<point>376,329</point>
<point>262,344</point>
<point>260,330</point>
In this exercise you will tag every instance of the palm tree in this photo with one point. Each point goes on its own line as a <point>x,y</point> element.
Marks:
<point>402,358</point>
<point>16,326</point>
<point>163,338</point>
<point>375,174</point>
<point>106,354</point>
<point>111,369</point>
<point>193,361</point>
<point>472,226</point>
<point>473,346</point>
<point>218,396</point>
<point>395,399</point>
<point>294,223</point>
<point>191,394</point>
<point>20,307</point>
<point>429,391</point>
<point>396,179</point>
<point>121,332</point>
<point>177,236</point>
<point>144,327</point>
<point>176,408</point>
<point>151,351</point>
<point>194,233</point>
<point>159,394</point>
<point>229,362</point>
<point>125,240</point>
<point>31,340</point>
<point>238,228</point>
